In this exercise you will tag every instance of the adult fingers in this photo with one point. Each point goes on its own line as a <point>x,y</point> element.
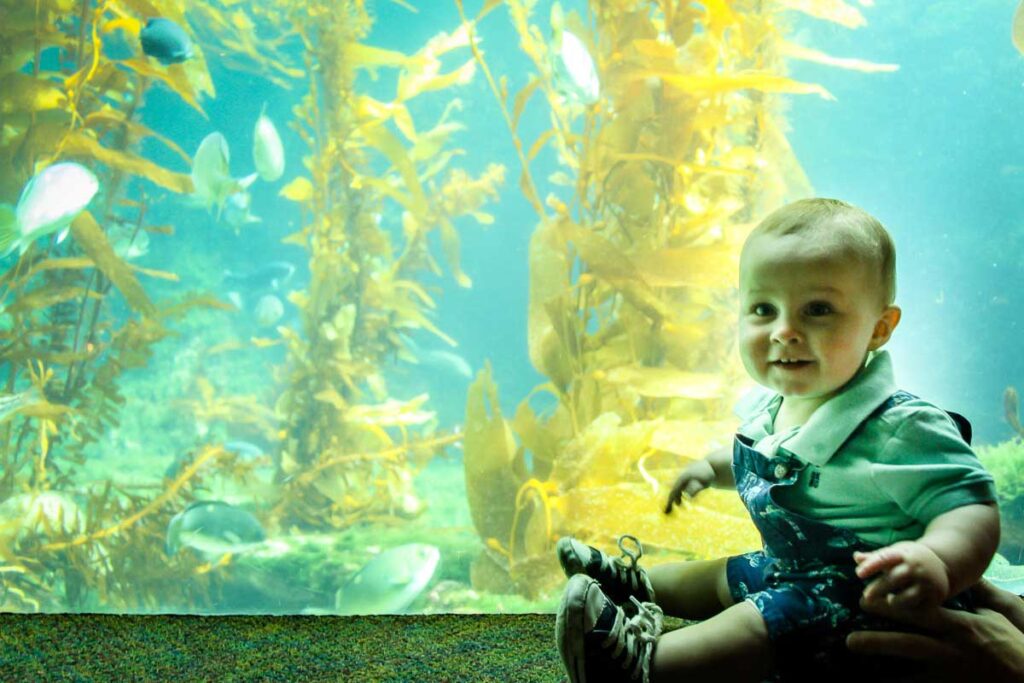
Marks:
<point>932,619</point>
<point>909,598</point>
<point>987,593</point>
<point>894,644</point>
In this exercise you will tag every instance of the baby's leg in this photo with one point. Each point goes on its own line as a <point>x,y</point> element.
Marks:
<point>732,646</point>
<point>691,590</point>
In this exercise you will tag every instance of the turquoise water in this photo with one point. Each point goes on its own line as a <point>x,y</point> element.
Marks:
<point>932,149</point>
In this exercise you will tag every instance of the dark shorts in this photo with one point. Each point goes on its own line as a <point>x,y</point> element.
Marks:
<point>808,615</point>
<point>811,600</point>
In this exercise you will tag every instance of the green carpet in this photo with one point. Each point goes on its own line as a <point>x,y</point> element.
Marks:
<point>435,648</point>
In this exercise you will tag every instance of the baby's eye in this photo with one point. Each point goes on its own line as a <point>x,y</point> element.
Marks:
<point>819,308</point>
<point>761,310</point>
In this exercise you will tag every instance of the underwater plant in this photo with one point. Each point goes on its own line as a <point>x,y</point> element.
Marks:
<point>75,315</point>
<point>668,129</point>
<point>351,449</point>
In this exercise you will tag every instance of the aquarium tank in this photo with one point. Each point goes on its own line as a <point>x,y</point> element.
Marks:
<point>358,306</point>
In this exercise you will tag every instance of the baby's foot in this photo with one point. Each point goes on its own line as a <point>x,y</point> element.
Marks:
<point>619,580</point>
<point>597,641</point>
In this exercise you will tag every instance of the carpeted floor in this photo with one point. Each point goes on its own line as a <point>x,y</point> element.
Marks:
<point>427,648</point>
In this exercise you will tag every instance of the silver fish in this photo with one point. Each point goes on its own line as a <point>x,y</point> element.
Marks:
<point>49,202</point>
<point>575,70</point>
<point>269,310</point>
<point>267,150</point>
<point>390,582</point>
<point>270,275</point>
<point>10,404</point>
<point>213,528</point>
<point>211,173</point>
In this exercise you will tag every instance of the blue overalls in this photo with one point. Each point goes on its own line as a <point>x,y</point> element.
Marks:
<point>803,581</point>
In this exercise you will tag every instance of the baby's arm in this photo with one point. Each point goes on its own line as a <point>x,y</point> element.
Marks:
<point>714,470</point>
<point>953,553</point>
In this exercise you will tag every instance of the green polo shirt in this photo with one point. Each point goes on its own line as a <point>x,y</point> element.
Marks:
<point>884,478</point>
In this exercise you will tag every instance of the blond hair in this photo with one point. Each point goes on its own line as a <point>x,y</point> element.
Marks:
<point>851,229</point>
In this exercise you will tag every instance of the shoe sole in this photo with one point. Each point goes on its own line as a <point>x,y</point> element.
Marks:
<point>569,627</point>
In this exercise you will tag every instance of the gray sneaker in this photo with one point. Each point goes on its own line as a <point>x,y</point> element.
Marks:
<point>619,580</point>
<point>598,642</point>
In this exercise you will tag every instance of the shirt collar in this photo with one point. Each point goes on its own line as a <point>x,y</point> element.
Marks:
<point>835,420</point>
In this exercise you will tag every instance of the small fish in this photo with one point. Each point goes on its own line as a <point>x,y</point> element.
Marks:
<point>43,513</point>
<point>125,245</point>
<point>271,275</point>
<point>211,173</point>
<point>10,404</point>
<point>48,203</point>
<point>268,310</point>
<point>165,40</point>
<point>213,528</point>
<point>244,449</point>
<point>390,582</point>
<point>236,210</point>
<point>448,361</point>
<point>575,70</point>
<point>267,150</point>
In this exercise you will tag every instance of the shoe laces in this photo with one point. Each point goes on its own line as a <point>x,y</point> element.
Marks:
<point>636,635</point>
<point>628,573</point>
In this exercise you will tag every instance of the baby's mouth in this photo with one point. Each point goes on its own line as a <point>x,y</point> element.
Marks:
<point>790,365</point>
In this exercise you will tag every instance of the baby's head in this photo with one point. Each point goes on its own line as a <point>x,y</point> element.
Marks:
<point>817,285</point>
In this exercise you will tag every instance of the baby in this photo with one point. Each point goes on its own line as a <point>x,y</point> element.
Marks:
<point>859,490</point>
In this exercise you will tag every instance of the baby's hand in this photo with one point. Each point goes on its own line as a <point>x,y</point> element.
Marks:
<point>694,478</point>
<point>912,575</point>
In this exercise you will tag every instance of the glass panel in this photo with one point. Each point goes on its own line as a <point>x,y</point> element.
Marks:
<point>366,304</point>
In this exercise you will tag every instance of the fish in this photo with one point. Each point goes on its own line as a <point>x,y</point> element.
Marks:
<point>120,236</point>
<point>48,204</point>
<point>271,275</point>
<point>211,173</point>
<point>448,361</point>
<point>166,41</point>
<point>236,210</point>
<point>244,449</point>
<point>10,404</point>
<point>389,582</point>
<point>269,310</point>
<point>43,513</point>
<point>267,150</point>
<point>575,70</point>
<point>213,528</point>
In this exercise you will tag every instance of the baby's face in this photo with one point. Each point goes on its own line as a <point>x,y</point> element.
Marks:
<point>801,301</point>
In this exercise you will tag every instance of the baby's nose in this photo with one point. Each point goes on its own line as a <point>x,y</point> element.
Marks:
<point>785,332</point>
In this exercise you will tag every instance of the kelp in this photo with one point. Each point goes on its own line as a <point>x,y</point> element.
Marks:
<point>75,316</point>
<point>632,271</point>
<point>350,450</point>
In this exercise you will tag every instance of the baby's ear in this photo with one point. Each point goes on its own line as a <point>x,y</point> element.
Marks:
<point>884,327</point>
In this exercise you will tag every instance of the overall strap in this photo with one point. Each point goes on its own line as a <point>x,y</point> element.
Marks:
<point>900,396</point>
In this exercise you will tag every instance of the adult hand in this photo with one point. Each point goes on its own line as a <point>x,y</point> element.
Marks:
<point>956,646</point>
<point>694,478</point>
